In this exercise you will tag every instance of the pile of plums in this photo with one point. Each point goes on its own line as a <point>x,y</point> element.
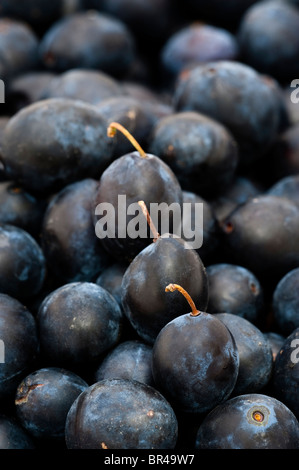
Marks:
<point>116,331</point>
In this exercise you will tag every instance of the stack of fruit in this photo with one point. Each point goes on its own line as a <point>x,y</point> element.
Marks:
<point>122,328</point>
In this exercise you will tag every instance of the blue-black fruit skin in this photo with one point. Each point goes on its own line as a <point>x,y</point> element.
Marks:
<point>195,362</point>
<point>254,127</point>
<point>145,302</point>
<point>131,359</point>
<point>61,50</point>
<point>88,85</point>
<point>63,141</point>
<point>285,374</point>
<point>77,324</point>
<point>18,48</point>
<point>255,354</point>
<point>121,414</point>
<point>19,334</point>
<point>262,235</point>
<point>235,289</point>
<point>268,40</point>
<point>111,278</point>
<point>20,208</point>
<point>201,152</point>
<point>22,263</point>
<point>285,303</point>
<point>231,425</point>
<point>70,246</point>
<point>43,399</point>
<point>136,178</point>
<point>13,436</point>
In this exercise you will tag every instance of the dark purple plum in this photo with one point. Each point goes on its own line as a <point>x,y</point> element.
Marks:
<point>231,93</point>
<point>268,39</point>
<point>63,140</point>
<point>96,34</point>
<point>250,421</point>
<point>18,48</point>
<point>78,323</point>
<point>201,152</point>
<point>68,239</point>
<point>263,236</point>
<point>197,43</point>
<point>255,354</point>
<point>144,300</point>
<point>133,177</point>
<point>20,208</point>
<point>121,414</point>
<point>234,289</point>
<point>195,360</point>
<point>131,359</point>
<point>22,263</point>
<point>287,187</point>
<point>43,399</point>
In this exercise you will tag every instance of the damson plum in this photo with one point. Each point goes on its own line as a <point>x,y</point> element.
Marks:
<point>251,421</point>
<point>91,86</point>
<point>43,399</point>
<point>195,360</point>
<point>231,92</point>
<point>22,263</point>
<point>54,142</point>
<point>78,323</point>
<point>121,414</point>
<point>263,236</point>
<point>96,33</point>
<point>69,244</point>
<point>234,289</point>
<point>19,345</point>
<point>13,436</point>
<point>20,208</point>
<point>268,39</point>
<point>285,379</point>
<point>145,303</point>
<point>133,177</point>
<point>200,151</point>
<point>285,303</point>
<point>197,43</point>
<point>255,354</point>
<point>131,359</point>
<point>18,48</point>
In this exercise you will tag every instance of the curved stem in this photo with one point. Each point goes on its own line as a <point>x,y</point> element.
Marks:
<point>111,131</point>
<point>149,220</point>
<point>174,287</point>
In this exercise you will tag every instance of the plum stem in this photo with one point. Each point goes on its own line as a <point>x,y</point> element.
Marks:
<point>111,131</point>
<point>174,287</point>
<point>149,220</point>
